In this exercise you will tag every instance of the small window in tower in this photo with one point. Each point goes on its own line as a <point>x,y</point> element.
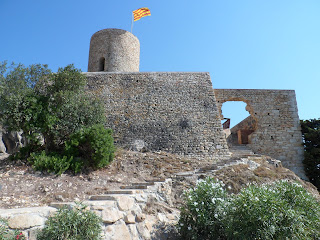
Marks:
<point>101,64</point>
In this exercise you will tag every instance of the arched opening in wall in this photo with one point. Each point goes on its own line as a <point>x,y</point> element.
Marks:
<point>237,122</point>
<point>102,64</point>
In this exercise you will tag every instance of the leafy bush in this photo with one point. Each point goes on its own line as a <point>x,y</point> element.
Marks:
<point>50,163</point>
<point>72,224</point>
<point>201,215</point>
<point>279,211</point>
<point>7,234</point>
<point>93,147</point>
<point>89,148</point>
<point>311,141</point>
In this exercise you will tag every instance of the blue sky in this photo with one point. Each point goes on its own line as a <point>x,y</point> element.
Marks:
<point>262,44</point>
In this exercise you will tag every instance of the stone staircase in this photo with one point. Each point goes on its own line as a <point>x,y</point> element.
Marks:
<point>121,210</point>
<point>240,154</point>
<point>140,192</point>
<point>122,213</point>
<point>241,151</point>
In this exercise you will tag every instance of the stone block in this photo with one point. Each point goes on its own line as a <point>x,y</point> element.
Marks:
<point>130,218</point>
<point>125,203</point>
<point>111,215</point>
<point>117,231</point>
<point>24,221</point>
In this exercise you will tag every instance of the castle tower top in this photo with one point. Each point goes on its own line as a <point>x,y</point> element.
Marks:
<point>114,50</point>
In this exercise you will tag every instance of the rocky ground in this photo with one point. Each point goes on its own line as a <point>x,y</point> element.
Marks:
<point>21,186</point>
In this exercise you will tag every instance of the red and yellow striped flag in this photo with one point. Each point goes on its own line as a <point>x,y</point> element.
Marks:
<point>141,12</point>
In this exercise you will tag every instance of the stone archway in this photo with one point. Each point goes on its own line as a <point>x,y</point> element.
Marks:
<point>241,132</point>
<point>278,131</point>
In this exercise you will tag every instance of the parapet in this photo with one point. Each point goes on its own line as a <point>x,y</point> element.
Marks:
<point>114,50</point>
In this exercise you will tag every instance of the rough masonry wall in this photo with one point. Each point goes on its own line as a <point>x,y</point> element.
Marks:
<point>174,112</point>
<point>278,132</point>
<point>114,50</point>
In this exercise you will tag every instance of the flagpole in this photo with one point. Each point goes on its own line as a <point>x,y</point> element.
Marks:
<point>131,22</point>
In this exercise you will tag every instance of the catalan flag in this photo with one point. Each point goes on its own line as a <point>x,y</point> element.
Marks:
<point>141,12</point>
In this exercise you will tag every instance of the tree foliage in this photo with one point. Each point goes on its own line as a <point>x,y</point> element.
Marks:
<point>311,140</point>
<point>53,107</point>
<point>281,210</point>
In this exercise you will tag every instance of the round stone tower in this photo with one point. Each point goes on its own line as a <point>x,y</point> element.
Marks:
<point>114,50</point>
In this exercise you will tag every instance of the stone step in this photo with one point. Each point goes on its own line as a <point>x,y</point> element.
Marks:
<point>62,204</point>
<point>255,156</point>
<point>109,192</point>
<point>185,174</point>
<point>204,173</point>
<point>134,187</point>
<point>156,180</point>
<point>113,197</point>
<point>241,151</point>
<point>143,184</point>
<point>208,168</point>
<point>105,202</point>
<point>242,155</point>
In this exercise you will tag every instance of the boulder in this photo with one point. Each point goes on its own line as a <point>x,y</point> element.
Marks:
<point>118,231</point>
<point>139,146</point>
<point>3,148</point>
<point>13,141</point>
<point>111,215</point>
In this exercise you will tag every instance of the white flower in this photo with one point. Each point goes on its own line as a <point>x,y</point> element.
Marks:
<point>216,215</point>
<point>199,181</point>
<point>195,203</point>
<point>189,228</point>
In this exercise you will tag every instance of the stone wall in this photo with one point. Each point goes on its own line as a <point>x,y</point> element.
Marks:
<point>173,112</point>
<point>278,132</point>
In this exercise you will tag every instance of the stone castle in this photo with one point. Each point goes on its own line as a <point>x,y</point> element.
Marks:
<point>176,112</point>
<point>180,112</point>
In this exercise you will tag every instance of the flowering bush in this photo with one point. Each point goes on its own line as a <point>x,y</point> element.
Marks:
<point>202,213</point>
<point>282,210</point>
<point>279,211</point>
<point>8,234</point>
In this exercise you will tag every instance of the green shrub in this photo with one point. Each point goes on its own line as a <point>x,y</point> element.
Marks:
<point>201,215</point>
<point>282,210</point>
<point>50,163</point>
<point>7,234</point>
<point>92,147</point>
<point>89,148</point>
<point>72,224</point>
